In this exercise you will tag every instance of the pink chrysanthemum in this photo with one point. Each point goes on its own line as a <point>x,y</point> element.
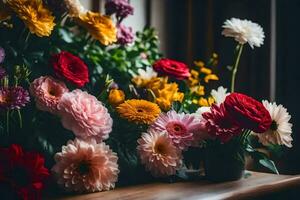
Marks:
<point>83,114</point>
<point>47,92</point>
<point>158,153</point>
<point>86,167</point>
<point>218,124</point>
<point>181,128</point>
<point>13,97</point>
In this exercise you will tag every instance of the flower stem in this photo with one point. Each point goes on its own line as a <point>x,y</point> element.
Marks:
<point>7,121</point>
<point>20,119</point>
<point>235,68</point>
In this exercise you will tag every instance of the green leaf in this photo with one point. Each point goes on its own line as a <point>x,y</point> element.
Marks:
<point>65,36</point>
<point>269,164</point>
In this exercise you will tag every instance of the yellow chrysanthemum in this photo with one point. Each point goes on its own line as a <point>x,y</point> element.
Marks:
<point>99,26</point>
<point>139,111</point>
<point>35,15</point>
<point>116,97</point>
<point>165,93</point>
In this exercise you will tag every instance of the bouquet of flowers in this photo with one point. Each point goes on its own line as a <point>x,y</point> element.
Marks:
<point>85,101</point>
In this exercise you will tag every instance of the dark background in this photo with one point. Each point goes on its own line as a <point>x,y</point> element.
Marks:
<point>191,30</point>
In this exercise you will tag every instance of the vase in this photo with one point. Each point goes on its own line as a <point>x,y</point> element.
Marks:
<point>224,162</point>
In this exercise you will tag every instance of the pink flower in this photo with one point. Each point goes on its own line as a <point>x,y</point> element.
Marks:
<point>181,128</point>
<point>83,114</point>
<point>158,153</point>
<point>86,167</point>
<point>218,124</point>
<point>47,92</point>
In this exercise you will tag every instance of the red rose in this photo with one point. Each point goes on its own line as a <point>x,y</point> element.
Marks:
<point>248,113</point>
<point>22,172</point>
<point>71,68</point>
<point>172,68</point>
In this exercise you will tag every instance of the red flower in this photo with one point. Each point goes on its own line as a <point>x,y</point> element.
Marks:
<point>248,113</point>
<point>22,172</point>
<point>71,68</point>
<point>172,68</point>
<point>218,125</point>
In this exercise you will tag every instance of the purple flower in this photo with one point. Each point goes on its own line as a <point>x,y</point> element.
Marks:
<point>119,7</point>
<point>2,73</point>
<point>13,97</point>
<point>2,54</point>
<point>124,35</point>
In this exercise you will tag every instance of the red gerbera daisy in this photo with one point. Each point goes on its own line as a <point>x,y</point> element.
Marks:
<point>22,172</point>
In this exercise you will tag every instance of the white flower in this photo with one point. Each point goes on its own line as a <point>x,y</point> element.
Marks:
<point>147,74</point>
<point>244,31</point>
<point>74,8</point>
<point>200,111</point>
<point>280,129</point>
<point>219,95</point>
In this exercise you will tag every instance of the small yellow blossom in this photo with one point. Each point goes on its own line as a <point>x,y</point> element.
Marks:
<point>165,93</point>
<point>206,102</point>
<point>211,77</point>
<point>205,70</point>
<point>35,15</point>
<point>100,27</point>
<point>116,97</point>
<point>199,63</point>
<point>199,90</point>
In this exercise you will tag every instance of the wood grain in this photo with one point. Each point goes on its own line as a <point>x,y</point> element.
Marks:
<point>256,185</point>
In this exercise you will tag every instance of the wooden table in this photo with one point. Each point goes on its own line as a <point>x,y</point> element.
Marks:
<point>256,186</point>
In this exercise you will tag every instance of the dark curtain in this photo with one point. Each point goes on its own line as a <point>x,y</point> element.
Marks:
<point>288,72</point>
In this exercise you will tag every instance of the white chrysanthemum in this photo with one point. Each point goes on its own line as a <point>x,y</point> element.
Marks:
<point>280,130</point>
<point>244,31</point>
<point>75,8</point>
<point>147,74</point>
<point>219,95</point>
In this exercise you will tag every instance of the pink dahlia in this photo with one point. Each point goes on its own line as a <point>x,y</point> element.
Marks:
<point>158,153</point>
<point>86,166</point>
<point>181,128</point>
<point>218,124</point>
<point>47,92</point>
<point>83,114</point>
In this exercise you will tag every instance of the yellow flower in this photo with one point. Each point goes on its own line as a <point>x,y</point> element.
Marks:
<point>165,93</point>
<point>139,111</point>
<point>206,102</point>
<point>205,70</point>
<point>35,15</point>
<point>211,77</point>
<point>199,63</point>
<point>199,90</point>
<point>100,27</point>
<point>116,97</point>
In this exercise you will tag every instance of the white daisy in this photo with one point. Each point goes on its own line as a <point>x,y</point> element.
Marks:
<point>280,129</point>
<point>219,95</point>
<point>244,31</point>
<point>147,74</point>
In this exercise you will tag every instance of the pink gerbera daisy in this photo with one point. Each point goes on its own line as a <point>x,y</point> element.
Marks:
<point>181,128</point>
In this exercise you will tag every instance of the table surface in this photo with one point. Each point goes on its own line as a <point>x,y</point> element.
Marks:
<point>255,185</point>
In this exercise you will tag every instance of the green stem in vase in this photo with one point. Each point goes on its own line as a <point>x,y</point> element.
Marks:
<point>236,64</point>
<point>7,121</point>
